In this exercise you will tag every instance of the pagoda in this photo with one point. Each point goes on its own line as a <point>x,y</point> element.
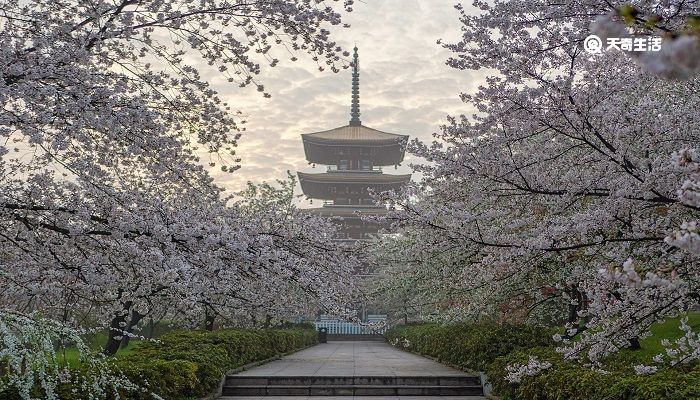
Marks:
<point>354,155</point>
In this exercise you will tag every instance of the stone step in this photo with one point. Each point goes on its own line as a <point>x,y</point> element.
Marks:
<point>457,380</point>
<point>352,390</point>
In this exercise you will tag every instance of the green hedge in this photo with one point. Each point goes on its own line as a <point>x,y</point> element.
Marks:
<point>468,346</point>
<point>570,381</point>
<point>491,348</point>
<point>190,364</point>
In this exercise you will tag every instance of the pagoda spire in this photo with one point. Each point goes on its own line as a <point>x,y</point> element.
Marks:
<point>355,105</point>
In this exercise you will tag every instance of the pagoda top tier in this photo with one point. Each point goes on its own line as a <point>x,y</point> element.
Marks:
<point>354,134</point>
<point>354,142</point>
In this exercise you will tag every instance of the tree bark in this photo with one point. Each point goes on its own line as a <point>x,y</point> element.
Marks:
<point>116,328</point>
<point>573,317</point>
<point>136,317</point>
<point>634,344</point>
<point>209,318</point>
<point>151,328</point>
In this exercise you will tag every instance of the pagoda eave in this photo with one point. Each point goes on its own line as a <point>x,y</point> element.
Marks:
<point>380,154</point>
<point>329,186</point>
<point>359,177</point>
<point>354,142</point>
<point>355,133</point>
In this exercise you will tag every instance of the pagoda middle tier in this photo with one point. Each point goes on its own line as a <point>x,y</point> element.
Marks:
<point>349,187</point>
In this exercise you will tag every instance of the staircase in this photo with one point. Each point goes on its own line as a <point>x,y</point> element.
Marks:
<point>353,386</point>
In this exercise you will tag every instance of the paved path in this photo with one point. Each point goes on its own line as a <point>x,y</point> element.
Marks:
<point>352,359</point>
<point>352,398</point>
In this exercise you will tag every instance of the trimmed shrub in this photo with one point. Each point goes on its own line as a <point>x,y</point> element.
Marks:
<point>468,346</point>
<point>170,379</point>
<point>567,380</point>
<point>190,364</point>
<point>491,348</point>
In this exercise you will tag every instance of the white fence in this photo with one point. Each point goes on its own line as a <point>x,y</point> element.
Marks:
<point>375,325</point>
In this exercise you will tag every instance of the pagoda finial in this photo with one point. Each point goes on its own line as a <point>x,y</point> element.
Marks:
<point>355,106</point>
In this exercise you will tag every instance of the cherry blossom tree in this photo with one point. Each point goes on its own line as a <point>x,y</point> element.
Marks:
<point>558,196</point>
<point>414,284</point>
<point>534,31</point>
<point>292,268</point>
<point>108,130</point>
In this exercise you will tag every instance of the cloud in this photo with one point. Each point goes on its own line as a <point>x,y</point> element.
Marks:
<point>406,87</point>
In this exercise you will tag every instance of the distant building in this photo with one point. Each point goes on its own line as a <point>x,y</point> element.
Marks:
<point>354,155</point>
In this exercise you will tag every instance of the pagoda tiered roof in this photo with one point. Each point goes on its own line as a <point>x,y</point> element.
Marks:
<point>328,186</point>
<point>352,177</point>
<point>354,134</point>
<point>355,155</point>
<point>354,141</point>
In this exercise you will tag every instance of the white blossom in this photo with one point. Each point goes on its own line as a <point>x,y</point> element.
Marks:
<point>516,372</point>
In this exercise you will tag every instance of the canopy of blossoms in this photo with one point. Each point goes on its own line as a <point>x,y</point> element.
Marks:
<point>108,213</point>
<point>567,195</point>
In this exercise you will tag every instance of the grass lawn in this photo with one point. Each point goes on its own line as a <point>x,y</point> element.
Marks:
<point>669,329</point>
<point>651,345</point>
<point>70,355</point>
<point>96,341</point>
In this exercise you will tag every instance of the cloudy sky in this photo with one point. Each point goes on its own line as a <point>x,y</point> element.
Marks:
<point>405,87</point>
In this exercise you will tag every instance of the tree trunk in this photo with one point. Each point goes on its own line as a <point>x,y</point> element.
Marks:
<point>634,344</point>
<point>573,318</point>
<point>405,312</point>
<point>136,317</point>
<point>116,328</point>
<point>209,318</point>
<point>151,327</point>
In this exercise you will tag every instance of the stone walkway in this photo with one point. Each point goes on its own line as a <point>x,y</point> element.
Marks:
<point>351,359</point>
<point>352,398</point>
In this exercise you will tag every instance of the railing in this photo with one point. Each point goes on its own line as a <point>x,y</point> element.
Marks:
<point>340,327</point>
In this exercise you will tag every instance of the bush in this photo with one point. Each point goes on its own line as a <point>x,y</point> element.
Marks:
<point>571,381</point>
<point>190,364</point>
<point>468,346</point>
<point>491,348</point>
